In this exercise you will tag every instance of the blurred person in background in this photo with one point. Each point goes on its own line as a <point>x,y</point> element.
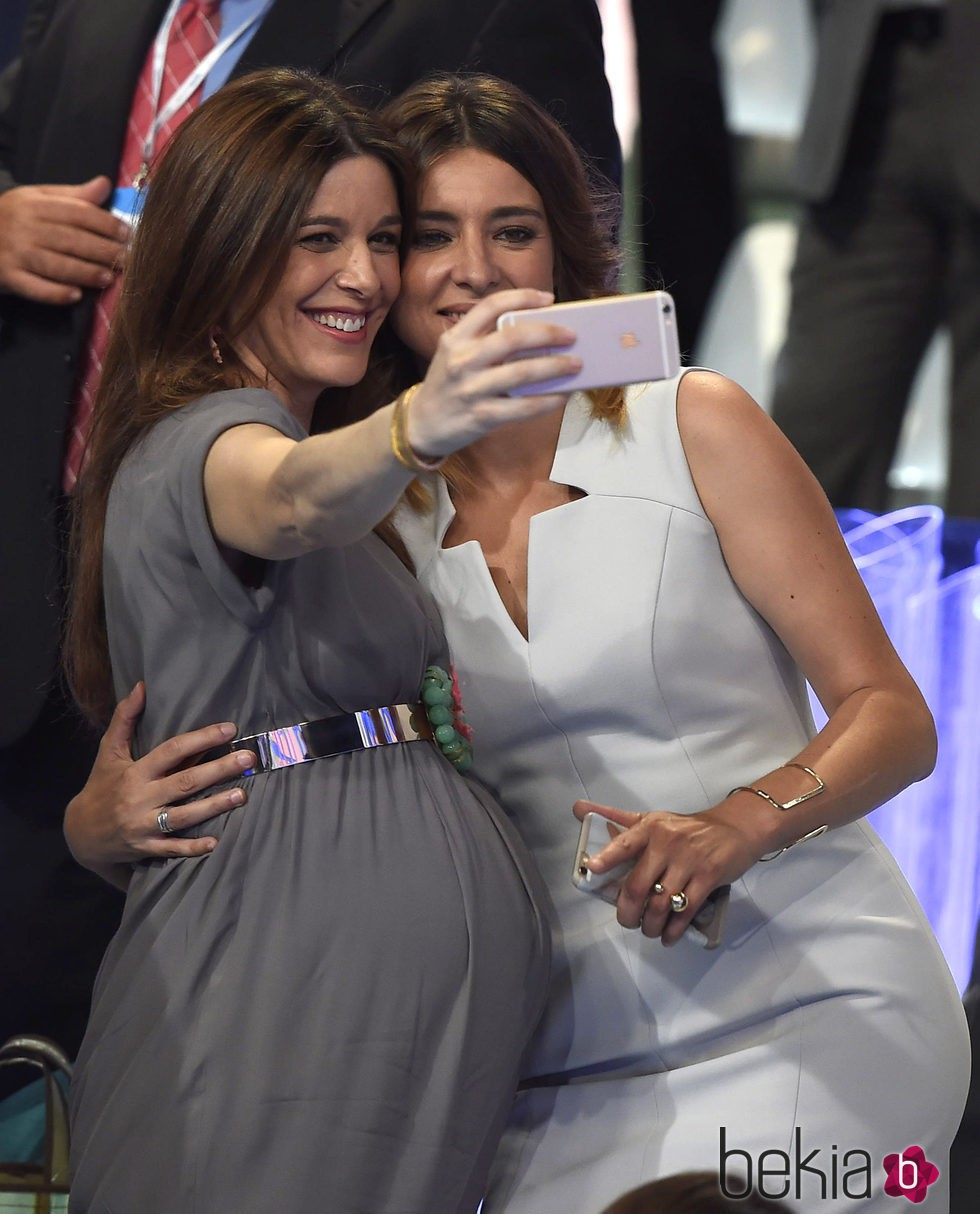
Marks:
<point>685,156</point>
<point>888,170</point>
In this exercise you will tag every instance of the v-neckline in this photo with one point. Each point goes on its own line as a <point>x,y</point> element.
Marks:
<point>472,551</point>
<point>575,419</point>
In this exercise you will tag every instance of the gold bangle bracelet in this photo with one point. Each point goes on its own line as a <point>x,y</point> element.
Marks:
<point>401,448</point>
<point>813,792</point>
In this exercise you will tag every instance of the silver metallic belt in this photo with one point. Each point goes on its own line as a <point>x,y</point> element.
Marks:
<point>278,748</point>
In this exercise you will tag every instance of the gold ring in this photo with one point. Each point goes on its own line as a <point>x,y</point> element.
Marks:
<point>657,888</point>
<point>678,901</point>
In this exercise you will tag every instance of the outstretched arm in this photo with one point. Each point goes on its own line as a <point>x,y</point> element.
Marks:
<point>275,498</point>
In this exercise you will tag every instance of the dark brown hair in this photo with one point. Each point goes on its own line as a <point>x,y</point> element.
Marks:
<point>691,1193</point>
<point>224,205</point>
<point>448,113</point>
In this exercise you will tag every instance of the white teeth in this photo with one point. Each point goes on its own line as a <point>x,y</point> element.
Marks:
<point>346,324</point>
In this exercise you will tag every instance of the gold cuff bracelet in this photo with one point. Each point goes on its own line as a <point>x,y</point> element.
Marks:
<point>401,448</point>
<point>812,792</point>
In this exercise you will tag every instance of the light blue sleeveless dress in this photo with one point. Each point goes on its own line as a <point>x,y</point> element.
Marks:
<point>828,1020</point>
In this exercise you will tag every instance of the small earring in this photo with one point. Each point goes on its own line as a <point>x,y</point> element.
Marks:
<point>215,351</point>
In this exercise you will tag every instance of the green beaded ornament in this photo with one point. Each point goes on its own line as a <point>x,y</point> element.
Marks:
<point>441,707</point>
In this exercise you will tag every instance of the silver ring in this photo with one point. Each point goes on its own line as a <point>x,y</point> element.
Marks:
<point>678,902</point>
<point>163,821</point>
<point>657,888</point>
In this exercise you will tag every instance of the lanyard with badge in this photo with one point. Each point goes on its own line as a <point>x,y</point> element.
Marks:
<point>127,201</point>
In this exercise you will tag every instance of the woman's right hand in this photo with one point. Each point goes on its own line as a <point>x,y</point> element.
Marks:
<point>113,821</point>
<point>464,393</point>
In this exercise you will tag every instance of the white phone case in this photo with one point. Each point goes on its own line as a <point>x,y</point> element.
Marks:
<point>622,339</point>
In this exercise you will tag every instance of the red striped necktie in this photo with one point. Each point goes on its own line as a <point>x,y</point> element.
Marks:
<point>193,34</point>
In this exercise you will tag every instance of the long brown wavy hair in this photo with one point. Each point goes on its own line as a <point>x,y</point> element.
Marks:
<point>448,113</point>
<point>224,205</point>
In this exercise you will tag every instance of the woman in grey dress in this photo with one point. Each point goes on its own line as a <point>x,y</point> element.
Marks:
<point>328,1012</point>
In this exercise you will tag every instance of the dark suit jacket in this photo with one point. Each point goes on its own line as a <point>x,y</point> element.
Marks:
<point>845,37</point>
<point>65,105</point>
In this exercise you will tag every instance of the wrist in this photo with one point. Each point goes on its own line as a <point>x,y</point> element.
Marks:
<point>783,824</point>
<point>403,450</point>
<point>759,828</point>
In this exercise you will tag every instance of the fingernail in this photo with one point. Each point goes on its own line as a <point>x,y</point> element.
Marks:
<point>246,759</point>
<point>236,797</point>
<point>105,277</point>
<point>227,729</point>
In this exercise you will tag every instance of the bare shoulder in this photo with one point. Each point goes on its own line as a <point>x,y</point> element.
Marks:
<point>711,407</point>
<point>738,456</point>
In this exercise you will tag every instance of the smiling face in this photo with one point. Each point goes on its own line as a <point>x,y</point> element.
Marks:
<point>340,280</point>
<point>481,228</point>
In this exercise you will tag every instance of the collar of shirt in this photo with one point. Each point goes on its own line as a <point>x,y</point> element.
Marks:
<point>233,14</point>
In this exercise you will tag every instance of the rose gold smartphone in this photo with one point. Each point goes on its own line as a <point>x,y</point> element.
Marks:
<point>622,339</point>
<point>707,925</point>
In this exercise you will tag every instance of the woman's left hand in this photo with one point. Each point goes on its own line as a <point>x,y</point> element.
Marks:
<point>690,854</point>
<point>115,819</point>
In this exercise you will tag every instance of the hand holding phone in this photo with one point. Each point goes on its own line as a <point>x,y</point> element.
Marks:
<point>707,925</point>
<point>622,339</point>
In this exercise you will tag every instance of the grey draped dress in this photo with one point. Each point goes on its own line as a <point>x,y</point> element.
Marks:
<point>327,1012</point>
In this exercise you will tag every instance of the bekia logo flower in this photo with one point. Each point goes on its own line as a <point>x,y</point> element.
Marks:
<point>909,1174</point>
